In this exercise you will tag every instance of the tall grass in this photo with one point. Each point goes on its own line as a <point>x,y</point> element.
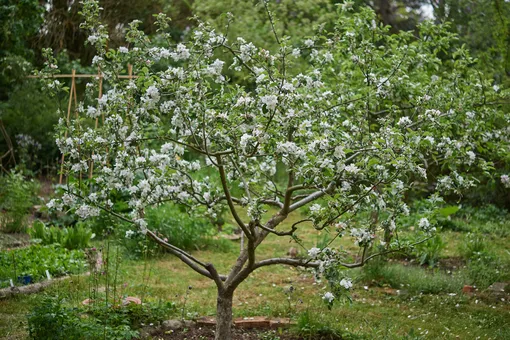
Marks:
<point>410,278</point>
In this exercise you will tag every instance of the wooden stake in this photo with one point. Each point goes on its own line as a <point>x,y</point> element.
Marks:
<point>72,91</point>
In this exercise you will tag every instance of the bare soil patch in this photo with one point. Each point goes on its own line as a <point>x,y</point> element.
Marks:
<point>207,332</point>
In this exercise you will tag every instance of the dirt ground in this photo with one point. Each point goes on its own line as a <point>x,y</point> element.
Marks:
<point>207,332</point>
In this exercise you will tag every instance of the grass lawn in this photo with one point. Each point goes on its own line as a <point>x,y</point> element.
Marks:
<point>376,312</point>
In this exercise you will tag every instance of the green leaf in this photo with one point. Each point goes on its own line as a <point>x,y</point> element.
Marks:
<point>450,210</point>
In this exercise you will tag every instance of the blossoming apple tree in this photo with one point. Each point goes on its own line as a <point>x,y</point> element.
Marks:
<point>354,118</point>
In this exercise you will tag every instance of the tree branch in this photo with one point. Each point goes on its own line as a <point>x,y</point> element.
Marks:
<point>293,228</point>
<point>390,251</point>
<point>286,261</point>
<point>312,197</point>
<point>229,197</point>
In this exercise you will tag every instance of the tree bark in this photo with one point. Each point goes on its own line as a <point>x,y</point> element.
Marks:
<point>224,315</point>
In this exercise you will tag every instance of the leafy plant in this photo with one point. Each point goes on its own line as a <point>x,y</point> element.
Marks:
<point>77,237</point>
<point>36,259</point>
<point>429,251</point>
<point>484,213</point>
<point>51,319</point>
<point>17,195</point>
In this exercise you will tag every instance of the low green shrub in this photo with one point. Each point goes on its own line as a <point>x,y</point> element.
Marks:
<point>52,318</point>
<point>496,228</point>
<point>35,260</point>
<point>77,237</point>
<point>178,228</point>
<point>487,219</point>
<point>486,213</point>
<point>17,196</point>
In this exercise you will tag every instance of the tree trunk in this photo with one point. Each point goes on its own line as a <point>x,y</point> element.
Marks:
<point>224,316</point>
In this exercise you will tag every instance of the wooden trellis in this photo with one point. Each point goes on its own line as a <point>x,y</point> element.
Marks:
<point>74,98</point>
<point>9,154</point>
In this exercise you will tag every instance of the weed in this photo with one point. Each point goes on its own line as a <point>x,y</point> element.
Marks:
<point>310,327</point>
<point>473,246</point>
<point>429,251</point>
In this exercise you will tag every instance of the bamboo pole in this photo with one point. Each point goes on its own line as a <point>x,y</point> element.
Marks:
<point>72,91</point>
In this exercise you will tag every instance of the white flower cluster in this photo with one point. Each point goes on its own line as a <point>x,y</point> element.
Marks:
<point>328,297</point>
<point>404,121</point>
<point>505,180</point>
<point>215,69</point>
<point>314,252</point>
<point>269,101</point>
<point>424,224</point>
<point>151,97</point>
<point>346,283</point>
<point>362,236</point>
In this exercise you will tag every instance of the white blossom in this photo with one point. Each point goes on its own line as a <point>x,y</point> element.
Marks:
<point>471,157</point>
<point>505,180</point>
<point>270,101</point>
<point>346,283</point>
<point>92,112</point>
<point>181,53</point>
<point>424,223</point>
<point>86,211</point>
<point>93,38</point>
<point>362,236</point>
<point>328,297</point>
<point>352,168</point>
<point>314,252</point>
<point>404,121</point>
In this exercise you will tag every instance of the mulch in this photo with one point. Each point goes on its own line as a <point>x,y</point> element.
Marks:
<point>207,332</point>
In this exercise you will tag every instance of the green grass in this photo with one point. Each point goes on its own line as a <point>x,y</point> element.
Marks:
<point>432,308</point>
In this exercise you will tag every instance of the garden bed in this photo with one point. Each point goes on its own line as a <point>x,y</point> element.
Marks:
<point>207,332</point>
<point>33,264</point>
